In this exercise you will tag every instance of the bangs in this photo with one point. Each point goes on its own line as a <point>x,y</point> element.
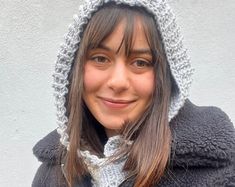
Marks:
<point>104,22</point>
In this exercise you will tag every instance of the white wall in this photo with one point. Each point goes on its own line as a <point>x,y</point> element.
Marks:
<point>208,28</point>
<point>30,35</point>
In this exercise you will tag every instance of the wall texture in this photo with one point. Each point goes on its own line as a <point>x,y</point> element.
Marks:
<point>30,35</point>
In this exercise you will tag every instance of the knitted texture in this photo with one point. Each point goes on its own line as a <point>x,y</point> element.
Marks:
<point>171,38</point>
<point>103,172</point>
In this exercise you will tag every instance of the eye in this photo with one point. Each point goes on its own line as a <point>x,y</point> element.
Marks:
<point>99,59</point>
<point>142,63</point>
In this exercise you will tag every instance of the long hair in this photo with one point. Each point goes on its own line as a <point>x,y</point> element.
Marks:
<point>148,156</point>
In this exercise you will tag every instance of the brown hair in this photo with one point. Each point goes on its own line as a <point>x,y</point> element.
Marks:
<point>148,156</point>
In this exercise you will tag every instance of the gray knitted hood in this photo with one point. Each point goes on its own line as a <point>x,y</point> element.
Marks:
<point>171,38</point>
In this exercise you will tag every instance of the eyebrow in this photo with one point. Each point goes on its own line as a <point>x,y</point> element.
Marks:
<point>133,51</point>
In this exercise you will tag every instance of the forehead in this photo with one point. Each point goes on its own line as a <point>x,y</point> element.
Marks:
<point>127,37</point>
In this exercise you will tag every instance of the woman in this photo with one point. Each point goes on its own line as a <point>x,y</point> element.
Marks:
<point>121,83</point>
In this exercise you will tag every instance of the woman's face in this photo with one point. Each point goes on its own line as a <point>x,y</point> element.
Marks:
<point>118,88</point>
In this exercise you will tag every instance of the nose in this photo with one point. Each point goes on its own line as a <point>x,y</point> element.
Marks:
<point>119,77</point>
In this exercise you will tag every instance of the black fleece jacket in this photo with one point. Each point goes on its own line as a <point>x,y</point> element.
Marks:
<point>203,152</point>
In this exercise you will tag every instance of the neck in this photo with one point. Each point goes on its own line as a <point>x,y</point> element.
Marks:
<point>112,132</point>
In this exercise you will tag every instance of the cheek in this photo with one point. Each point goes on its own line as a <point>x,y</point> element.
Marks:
<point>88,81</point>
<point>145,85</point>
<point>92,78</point>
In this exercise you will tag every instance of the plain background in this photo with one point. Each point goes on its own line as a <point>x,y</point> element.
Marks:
<point>30,35</point>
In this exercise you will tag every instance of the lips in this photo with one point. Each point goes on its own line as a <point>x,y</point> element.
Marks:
<point>116,103</point>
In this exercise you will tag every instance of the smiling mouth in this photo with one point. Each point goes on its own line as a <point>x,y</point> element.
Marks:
<point>116,103</point>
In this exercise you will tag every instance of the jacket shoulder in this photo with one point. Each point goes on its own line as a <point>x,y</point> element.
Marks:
<point>48,151</point>
<point>203,118</point>
<point>49,175</point>
<point>203,148</point>
<point>203,136</point>
<point>49,148</point>
<point>202,114</point>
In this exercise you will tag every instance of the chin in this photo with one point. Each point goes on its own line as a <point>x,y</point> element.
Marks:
<point>113,124</point>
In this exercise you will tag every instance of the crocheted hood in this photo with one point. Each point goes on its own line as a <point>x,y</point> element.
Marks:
<point>171,38</point>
